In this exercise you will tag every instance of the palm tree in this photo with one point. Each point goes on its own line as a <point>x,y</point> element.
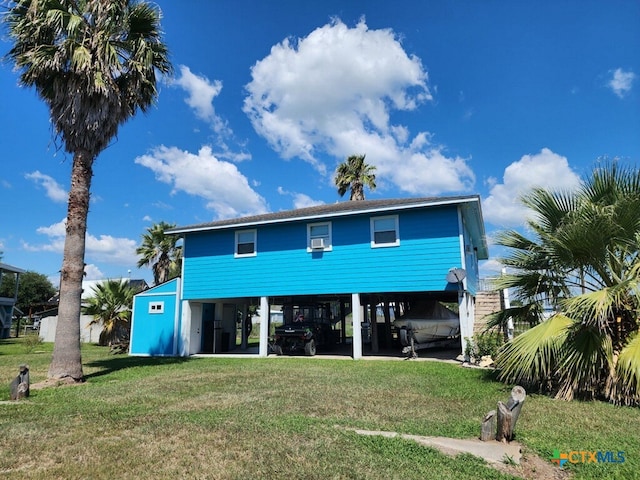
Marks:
<point>160,251</point>
<point>110,307</point>
<point>585,263</point>
<point>94,63</point>
<point>354,174</point>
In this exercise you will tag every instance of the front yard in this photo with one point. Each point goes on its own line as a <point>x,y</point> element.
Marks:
<point>233,418</point>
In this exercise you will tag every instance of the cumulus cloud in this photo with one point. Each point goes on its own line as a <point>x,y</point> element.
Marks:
<point>52,188</point>
<point>545,169</point>
<point>103,248</point>
<point>335,91</point>
<point>300,200</point>
<point>220,183</point>
<point>201,93</point>
<point>621,82</point>
<point>92,272</point>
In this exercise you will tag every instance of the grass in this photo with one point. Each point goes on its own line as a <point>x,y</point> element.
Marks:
<point>233,418</point>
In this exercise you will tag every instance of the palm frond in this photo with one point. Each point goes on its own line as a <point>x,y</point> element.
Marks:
<point>531,358</point>
<point>587,359</point>
<point>625,388</point>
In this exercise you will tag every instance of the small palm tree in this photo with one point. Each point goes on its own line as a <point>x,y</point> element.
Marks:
<point>110,307</point>
<point>94,64</point>
<point>585,263</point>
<point>161,252</point>
<point>354,174</point>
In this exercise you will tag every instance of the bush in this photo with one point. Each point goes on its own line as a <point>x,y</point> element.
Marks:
<point>487,343</point>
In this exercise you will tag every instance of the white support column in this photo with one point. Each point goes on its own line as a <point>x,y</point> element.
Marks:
<point>264,327</point>
<point>185,330</point>
<point>177,318</point>
<point>467,315</point>
<point>356,318</point>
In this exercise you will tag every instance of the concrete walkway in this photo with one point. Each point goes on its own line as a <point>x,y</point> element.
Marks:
<point>492,451</point>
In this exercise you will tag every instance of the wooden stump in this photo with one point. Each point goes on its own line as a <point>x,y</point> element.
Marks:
<point>508,414</point>
<point>488,427</point>
<point>19,387</point>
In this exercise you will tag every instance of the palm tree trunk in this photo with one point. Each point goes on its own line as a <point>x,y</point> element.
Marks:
<point>67,361</point>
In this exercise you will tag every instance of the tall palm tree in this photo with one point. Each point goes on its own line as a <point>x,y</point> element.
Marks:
<point>110,307</point>
<point>354,174</point>
<point>161,252</point>
<point>94,64</point>
<point>585,263</point>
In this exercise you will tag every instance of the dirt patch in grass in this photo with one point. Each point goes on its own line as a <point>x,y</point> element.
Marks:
<point>55,382</point>
<point>533,467</point>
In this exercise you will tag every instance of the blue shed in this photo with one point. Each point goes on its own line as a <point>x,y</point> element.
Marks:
<point>355,256</point>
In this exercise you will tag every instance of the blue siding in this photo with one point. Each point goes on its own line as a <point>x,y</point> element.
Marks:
<point>429,247</point>
<point>155,333</point>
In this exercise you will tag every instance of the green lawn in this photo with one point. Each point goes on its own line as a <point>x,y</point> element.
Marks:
<point>220,418</point>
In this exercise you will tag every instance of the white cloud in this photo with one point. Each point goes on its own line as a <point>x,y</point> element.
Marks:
<point>201,94</point>
<point>545,169</point>
<point>300,200</point>
<point>104,248</point>
<point>335,91</point>
<point>220,183</point>
<point>621,82</point>
<point>92,272</point>
<point>53,189</point>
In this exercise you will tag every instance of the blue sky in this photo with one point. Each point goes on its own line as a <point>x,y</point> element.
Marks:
<point>444,98</point>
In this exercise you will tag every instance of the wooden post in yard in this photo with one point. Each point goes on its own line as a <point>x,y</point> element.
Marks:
<point>508,414</point>
<point>488,428</point>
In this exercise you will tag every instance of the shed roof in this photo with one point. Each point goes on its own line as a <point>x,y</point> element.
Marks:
<point>470,206</point>
<point>8,268</point>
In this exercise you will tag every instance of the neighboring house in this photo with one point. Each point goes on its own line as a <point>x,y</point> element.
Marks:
<point>357,255</point>
<point>7,304</point>
<point>88,333</point>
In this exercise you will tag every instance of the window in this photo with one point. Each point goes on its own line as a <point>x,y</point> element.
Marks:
<point>319,237</point>
<point>245,243</point>
<point>156,307</point>
<point>384,231</point>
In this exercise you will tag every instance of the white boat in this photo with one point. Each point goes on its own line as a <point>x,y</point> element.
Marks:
<point>426,322</point>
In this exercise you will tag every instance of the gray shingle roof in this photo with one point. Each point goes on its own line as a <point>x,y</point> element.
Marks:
<point>327,210</point>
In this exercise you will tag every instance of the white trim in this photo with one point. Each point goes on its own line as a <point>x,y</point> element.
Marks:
<point>263,349</point>
<point>396,220</point>
<point>356,319</point>
<point>327,245</point>
<point>176,315</point>
<point>255,243</point>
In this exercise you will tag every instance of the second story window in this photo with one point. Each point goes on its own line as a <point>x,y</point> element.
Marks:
<point>245,243</point>
<point>384,231</point>
<point>319,237</point>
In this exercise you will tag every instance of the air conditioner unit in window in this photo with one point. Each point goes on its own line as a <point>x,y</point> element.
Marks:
<point>317,243</point>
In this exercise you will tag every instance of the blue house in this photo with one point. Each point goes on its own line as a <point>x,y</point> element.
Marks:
<point>355,256</point>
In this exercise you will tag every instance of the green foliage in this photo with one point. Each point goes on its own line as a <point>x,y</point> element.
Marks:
<point>482,344</point>
<point>354,174</point>
<point>161,252</point>
<point>31,342</point>
<point>583,261</point>
<point>34,289</point>
<point>110,307</point>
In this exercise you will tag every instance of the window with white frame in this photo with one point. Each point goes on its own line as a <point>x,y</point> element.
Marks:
<point>156,307</point>
<point>319,237</point>
<point>245,243</point>
<point>384,231</point>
